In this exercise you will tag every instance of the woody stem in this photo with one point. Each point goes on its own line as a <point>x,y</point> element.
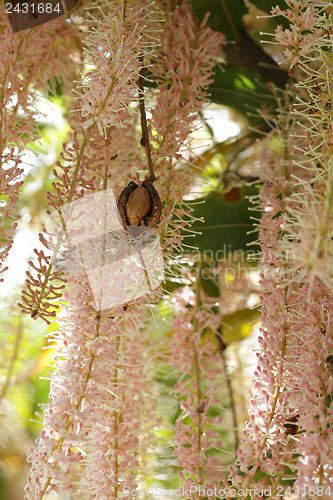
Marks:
<point>145,136</point>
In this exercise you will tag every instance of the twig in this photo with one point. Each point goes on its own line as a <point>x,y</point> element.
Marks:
<point>234,30</point>
<point>232,401</point>
<point>124,5</point>
<point>145,136</point>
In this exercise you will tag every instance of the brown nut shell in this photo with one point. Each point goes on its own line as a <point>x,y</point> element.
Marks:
<point>154,215</point>
<point>139,206</point>
<point>122,200</point>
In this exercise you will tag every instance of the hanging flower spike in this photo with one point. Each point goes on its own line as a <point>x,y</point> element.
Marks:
<point>303,32</point>
<point>10,186</point>
<point>265,446</point>
<point>90,441</point>
<point>112,85</point>
<point>77,173</point>
<point>300,276</point>
<point>183,67</point>
<point>201,372</point>
<point>26,59</point>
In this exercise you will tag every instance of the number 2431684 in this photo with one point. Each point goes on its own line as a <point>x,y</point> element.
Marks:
<point>33,8</point>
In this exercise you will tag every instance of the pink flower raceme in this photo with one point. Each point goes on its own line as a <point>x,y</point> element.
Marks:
<point>92,425</point>
<point>304,31</point>
<point>291,408</point>
<point>201,368</point>
<point>25,61</point>
<point>76,177</point>
<point>183,67</point>
<point>312,388</point>
<point>265,441</point>
<point>10,185</point>
<point>108,90</point>
<point>90,443</point>
<point>87,155</point>
<point>118,442</point>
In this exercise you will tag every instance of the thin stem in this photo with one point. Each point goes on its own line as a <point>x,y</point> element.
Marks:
<point>201,457</point>
<point>124,5</point>
<point>232,401</point>
<point>116,424</point>
<point>144,268</point>
<point>208,127</point>
<point>234,30</point>
<point>198,403</point>
<point>145,136</point>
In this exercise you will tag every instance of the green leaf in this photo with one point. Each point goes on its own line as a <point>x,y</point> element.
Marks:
<point>55,87</point>
<point>226,222</point>
<point>267,6</point>
<point>244,91</point>
<point>210,287</point>
<point>225,16</point>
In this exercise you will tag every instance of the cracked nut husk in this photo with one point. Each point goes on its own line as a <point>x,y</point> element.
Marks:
<point>139,205</point>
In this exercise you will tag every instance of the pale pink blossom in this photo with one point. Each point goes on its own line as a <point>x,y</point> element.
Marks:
<point>96,399</point>
<point>290,416</point>
<point>108,90</point>
<point>200,366</point>
<point>305,29</point>
<point>183,66</point>
<point>10,185</point>
<point>99,386</point>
